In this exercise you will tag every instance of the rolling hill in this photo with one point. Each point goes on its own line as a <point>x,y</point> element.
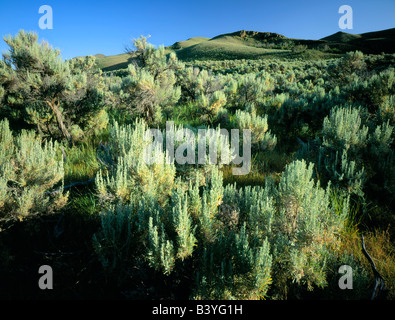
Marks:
<point>115,62</point>
<point>237,45</point>
<point>254,45</point>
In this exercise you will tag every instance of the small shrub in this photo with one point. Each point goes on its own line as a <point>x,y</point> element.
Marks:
<point>127,175</point>
<point>28,169</point>
<point>260,133</point>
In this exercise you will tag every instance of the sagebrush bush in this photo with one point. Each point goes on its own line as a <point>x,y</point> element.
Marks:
<point>211,105</point>
<point>127,174</point>
<point>386,110</point>
<point>346,69</point>
<point>260,133</point>
<point>195,82</point>
<point>306,226</point>
<point>373,91</point>
<point>150,83</point>
<point>343,130</point>
<point>353,155</point>
<point>340,156</point>
<point>144,94</point>
<point>113,243</point>
<point>28,170</point>
<point>57,97</point>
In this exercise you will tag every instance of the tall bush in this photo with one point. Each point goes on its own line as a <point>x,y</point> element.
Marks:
<point>57,97</point>
<point>150,82</point>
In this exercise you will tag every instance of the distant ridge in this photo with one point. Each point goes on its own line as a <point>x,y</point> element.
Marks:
<point>244,44</point>
<point>252,34</point>
<point>369,42</point>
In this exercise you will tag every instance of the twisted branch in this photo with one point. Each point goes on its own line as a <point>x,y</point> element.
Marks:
<point>379,280</point>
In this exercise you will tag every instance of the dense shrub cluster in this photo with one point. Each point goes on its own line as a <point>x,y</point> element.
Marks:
<point>240,241</point>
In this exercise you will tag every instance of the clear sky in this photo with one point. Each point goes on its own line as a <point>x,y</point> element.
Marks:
<point>90,27</point>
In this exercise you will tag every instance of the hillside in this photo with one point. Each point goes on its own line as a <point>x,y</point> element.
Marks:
<point>259,45</point>
<point>188,43</point>
<point>109,63</point>
<point>370,42</point>
<point>341,37</point>
<point>238,45</point>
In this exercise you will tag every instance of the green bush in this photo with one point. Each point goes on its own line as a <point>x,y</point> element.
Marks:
<point>38,88</point>
<point>306,227</point>
<point>150,82</point>
<point>353,155</point>
<point>127,174</point>
<point>261,137</point>
<point>343,129</point>
<point>211,106</point>
<point>113,243</point>
<point>28,170</point>
<point>252,89</point>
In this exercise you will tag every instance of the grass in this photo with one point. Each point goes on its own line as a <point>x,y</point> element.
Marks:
<point>355,215</point>
<point>115,62</point>
<point>225,48</point>
<point>264,164</point>
<point>378,242</point>
<point>186,113</point>
<point>81,162</point>
<point>85,203</point>
<point>382,251</point>
<point>187,43</point>
<point>380,247</point>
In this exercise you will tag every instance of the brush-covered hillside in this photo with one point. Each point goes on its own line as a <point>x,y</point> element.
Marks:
<point>266,45</point>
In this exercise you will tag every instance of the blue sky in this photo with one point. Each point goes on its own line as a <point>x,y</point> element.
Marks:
<point>91,27</point>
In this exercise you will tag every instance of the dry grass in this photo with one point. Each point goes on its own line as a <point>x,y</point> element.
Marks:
<point>380,247</point>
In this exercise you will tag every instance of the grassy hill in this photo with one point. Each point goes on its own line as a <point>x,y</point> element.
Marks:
<point>110,63</point>
<point>260,45</point>
<point>188,43</point>
<point>237,45</point>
